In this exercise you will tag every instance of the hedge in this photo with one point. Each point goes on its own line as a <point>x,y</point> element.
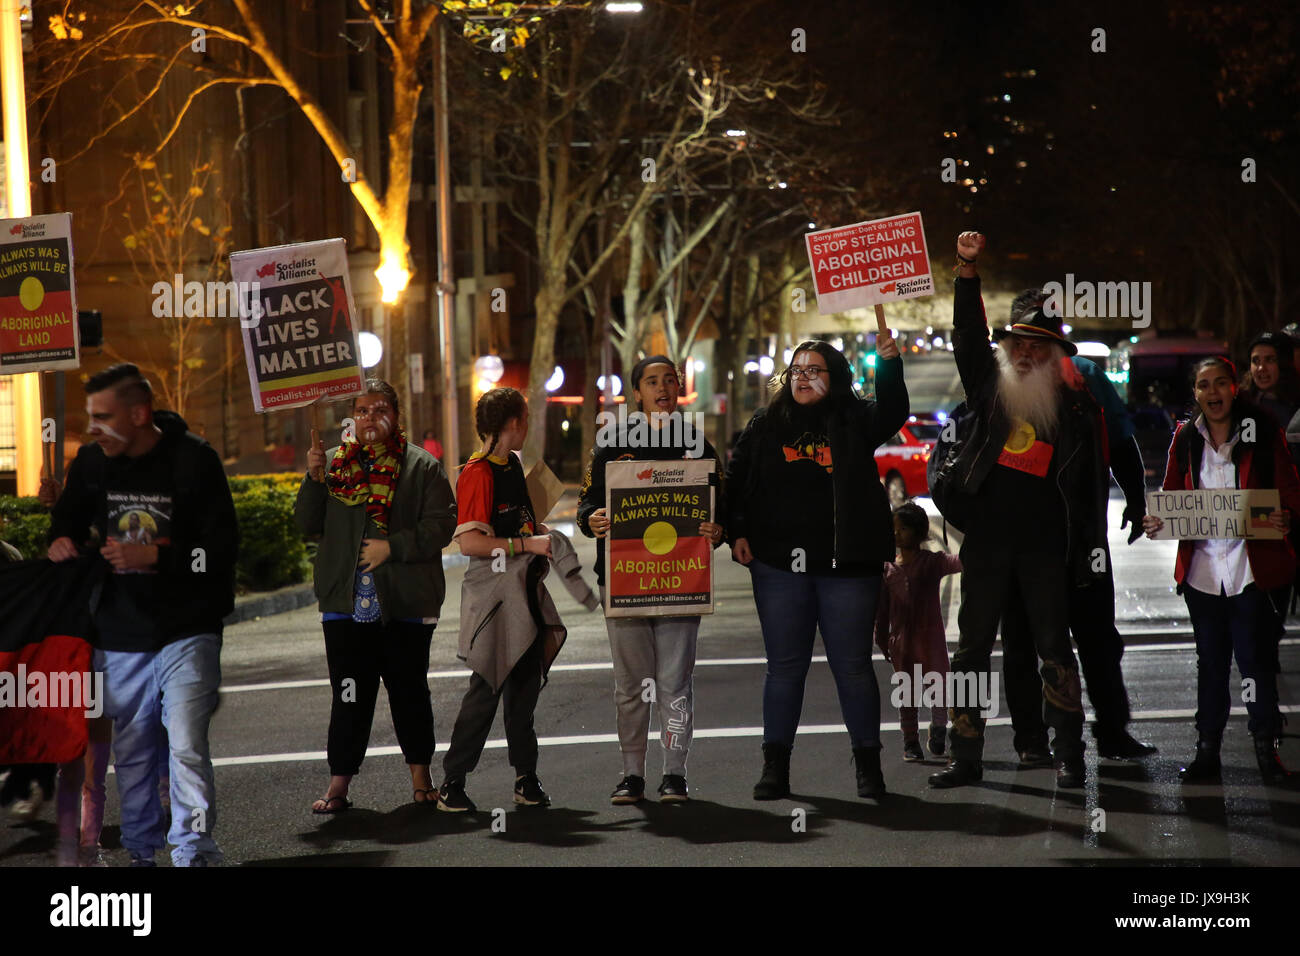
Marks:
<point>272,552</point>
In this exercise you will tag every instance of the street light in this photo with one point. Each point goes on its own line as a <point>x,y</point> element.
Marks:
<point>623,6</point>
<point>372,349</point>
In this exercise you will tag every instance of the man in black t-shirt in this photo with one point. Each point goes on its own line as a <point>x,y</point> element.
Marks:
<point>153,500</point>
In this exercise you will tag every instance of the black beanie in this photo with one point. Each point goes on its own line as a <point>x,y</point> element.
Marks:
<point>639,368</point>
<point>1280,342</point>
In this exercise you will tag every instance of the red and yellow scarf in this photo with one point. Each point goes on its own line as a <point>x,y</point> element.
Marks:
<point>350,482</point>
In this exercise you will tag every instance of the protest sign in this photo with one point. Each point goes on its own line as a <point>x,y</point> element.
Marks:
<point>1215,513</point>
<point>656,561</point>
<point>869,262</point>
<point>544,489</point>
<point>38,298</point>
<point>299,324</point>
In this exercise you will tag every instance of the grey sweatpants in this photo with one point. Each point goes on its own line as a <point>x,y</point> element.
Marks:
<point>654,658</point>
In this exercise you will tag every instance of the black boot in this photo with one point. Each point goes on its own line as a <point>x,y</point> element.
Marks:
<point>1270,765</point>
<point>959,773</point>
<point>1116,743</point>
<point>775,782</point>
<point>1206,766</point>
<point>871,782</point>
<point>1071,772</point>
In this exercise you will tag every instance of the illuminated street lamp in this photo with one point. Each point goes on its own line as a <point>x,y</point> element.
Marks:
<point>372,349</point>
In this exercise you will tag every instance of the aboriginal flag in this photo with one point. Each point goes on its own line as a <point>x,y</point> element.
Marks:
<point>45,629</point>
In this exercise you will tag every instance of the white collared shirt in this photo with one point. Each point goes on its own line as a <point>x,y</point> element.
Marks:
<point>1218,565</point>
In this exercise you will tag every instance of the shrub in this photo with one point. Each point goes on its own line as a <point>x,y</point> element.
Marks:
<point>24,524</point>
<point>272,553</point>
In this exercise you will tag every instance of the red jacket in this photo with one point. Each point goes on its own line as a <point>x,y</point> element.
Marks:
<point>1272,562</point>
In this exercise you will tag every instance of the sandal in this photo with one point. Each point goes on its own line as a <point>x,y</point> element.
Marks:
<point>328,801</point>
<point>430,795</point>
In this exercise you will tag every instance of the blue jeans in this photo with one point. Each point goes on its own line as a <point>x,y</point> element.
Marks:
<point>173,688</point>
<point>1244,625</point>
<point>791,608</point>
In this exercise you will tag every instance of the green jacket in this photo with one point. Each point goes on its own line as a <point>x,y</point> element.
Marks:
<point>421,520</point>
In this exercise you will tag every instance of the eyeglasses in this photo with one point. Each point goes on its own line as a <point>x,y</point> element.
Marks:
<point>805,371</point>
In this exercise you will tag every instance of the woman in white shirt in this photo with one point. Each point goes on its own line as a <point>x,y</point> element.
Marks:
<point>1226,581</point>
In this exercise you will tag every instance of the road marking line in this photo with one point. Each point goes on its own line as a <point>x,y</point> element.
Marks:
<point>715,732</point>
<point>608,666</point>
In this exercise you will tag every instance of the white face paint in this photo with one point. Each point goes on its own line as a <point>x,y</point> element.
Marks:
<point>99,430</point>
<point>810,390</point>
<point>374,419</point>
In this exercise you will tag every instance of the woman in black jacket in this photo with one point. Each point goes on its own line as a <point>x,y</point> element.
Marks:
<point>809,517</point>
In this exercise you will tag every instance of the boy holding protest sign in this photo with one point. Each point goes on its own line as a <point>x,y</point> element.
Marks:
<point>654,657</point>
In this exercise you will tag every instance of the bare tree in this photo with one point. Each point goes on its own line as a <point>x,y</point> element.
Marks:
<point>164,236</point>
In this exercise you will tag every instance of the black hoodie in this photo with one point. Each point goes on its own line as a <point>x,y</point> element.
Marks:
<point>174,496</point>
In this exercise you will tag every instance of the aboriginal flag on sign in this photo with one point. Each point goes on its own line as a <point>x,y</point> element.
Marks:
<point>45,630</point>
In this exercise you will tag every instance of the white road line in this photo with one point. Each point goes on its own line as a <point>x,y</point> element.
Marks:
<point>607,666</point>
<point>716,732</point>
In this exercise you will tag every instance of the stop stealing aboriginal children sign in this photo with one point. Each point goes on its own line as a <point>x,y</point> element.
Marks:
<point>869,262</point>
<point>656,561</point>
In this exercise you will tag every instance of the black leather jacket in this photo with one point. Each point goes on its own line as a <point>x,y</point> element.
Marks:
<point>1082,477</point>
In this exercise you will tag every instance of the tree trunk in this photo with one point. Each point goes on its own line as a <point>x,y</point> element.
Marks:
<point>548,304</point>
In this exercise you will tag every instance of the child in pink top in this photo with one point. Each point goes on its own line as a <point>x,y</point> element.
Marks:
<point>909,623</point>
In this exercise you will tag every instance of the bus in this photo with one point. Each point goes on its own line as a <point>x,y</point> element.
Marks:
<point>1154,377</point>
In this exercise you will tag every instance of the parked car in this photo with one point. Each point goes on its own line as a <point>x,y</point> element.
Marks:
<point>902,460</point>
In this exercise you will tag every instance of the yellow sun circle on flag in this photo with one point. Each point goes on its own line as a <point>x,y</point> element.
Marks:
<point>659,538</point>
<point>1021,438</point>
<point>31,293</point>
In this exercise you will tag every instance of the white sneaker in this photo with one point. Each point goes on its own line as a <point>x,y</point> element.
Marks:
<point>24,811</point>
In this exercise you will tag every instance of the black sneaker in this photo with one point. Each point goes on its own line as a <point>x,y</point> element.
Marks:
<point>631,789</point>
<point>529,792</point>
<point>912,751</point>
<point>936,740</point>
<point>673,789</point>
<point>453,799</point>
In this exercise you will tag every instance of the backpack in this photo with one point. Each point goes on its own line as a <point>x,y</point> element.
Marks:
<point>952,503</point>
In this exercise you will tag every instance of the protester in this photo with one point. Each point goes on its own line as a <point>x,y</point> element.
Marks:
<point>1272,382</point>
<point>1091,608</point>
<point>658,649</point>
<point>809,517</point>
<point>1031,474</point>
<point>431,444</point>
<point>159,616</point>
<point>509,631</point>
<point>1226,582</point>
<point>909,623</point>
<point>384,511</point>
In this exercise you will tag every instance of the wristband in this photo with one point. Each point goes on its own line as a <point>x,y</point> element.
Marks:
<point>510,546</point>
<point>969,262</point>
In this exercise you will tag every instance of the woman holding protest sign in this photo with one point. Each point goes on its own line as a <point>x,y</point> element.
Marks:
<point>1226,581</point>
<point>384,511</point>
<point>654,657</point>
<point>810,519</point>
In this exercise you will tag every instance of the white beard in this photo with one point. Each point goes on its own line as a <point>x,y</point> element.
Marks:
<point>1035,397</point>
